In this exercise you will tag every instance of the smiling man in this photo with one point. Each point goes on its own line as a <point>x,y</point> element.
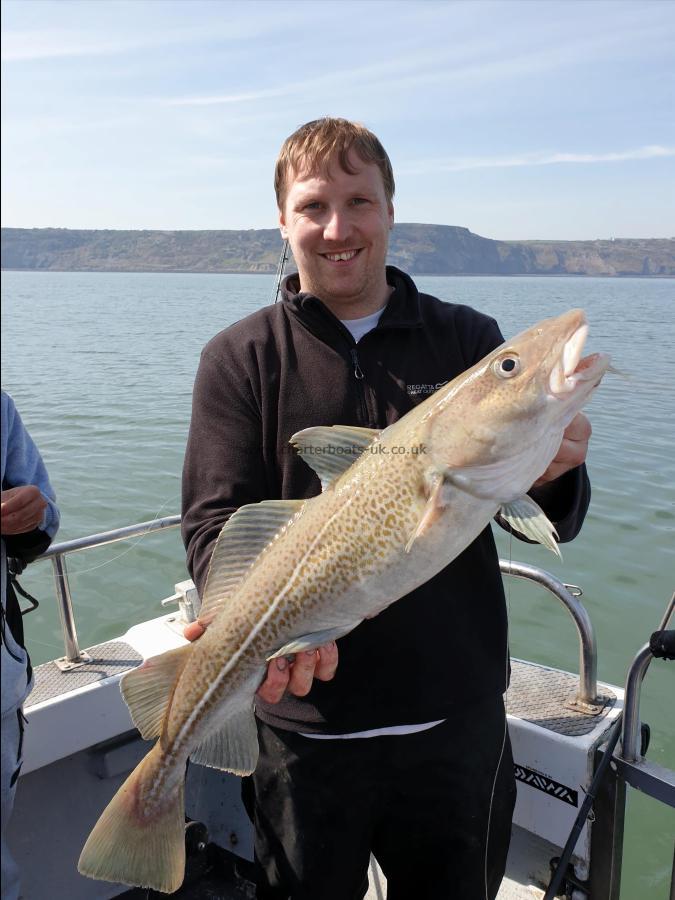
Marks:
<point>401,748</point>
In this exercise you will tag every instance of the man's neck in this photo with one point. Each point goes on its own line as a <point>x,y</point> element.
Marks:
<point>356,307</point>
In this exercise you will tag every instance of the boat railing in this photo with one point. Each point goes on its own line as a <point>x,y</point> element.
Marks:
<point>57,553</point>
<point>630,735</point>
<point>587,697</point>
<point>74,656</point>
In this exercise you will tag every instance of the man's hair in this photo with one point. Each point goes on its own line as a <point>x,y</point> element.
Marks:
<point>315,145</point>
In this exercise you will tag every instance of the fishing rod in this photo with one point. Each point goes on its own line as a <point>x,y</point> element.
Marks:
<point>280,270</point>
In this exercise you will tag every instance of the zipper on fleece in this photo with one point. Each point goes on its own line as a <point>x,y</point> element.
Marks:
<point>358,372</point>
<point>367,418</point>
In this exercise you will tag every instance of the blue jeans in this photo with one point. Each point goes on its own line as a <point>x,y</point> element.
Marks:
<point>11,746</point>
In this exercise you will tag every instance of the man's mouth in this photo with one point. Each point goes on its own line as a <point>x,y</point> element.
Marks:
<point>342,256</point>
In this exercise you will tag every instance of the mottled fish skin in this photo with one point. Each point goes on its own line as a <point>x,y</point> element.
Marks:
<point>389,523</point>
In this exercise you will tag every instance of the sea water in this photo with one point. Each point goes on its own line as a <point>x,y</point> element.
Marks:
<point>101,367</point>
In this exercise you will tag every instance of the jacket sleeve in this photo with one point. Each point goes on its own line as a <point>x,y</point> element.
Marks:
<point>23,465</point>
<point>223,466</point>
<point>565,500</point>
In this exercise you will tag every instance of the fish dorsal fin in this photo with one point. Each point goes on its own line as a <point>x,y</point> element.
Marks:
<point>331,449</point>
<point>148,689</point>
<point>241,541</point>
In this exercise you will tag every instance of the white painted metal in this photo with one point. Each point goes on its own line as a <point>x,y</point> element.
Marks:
<point>65,784</point>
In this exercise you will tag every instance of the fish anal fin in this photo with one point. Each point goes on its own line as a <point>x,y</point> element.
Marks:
<point>233,747</point>
<point>147,690</point>
<point>241,540</point>
<point>330,450</point>
<point>529,519</point>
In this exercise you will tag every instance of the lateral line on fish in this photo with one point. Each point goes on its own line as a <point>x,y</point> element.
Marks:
<point>176,743</point>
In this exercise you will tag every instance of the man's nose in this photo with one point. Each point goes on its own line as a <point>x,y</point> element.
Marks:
<point>336,226</point>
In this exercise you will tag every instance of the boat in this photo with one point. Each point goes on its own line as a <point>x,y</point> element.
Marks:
<point>576,743</point>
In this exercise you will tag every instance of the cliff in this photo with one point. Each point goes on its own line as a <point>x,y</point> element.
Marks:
<point>419,249</point>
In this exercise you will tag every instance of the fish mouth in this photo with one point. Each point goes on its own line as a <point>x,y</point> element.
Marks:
<point>572,372</point>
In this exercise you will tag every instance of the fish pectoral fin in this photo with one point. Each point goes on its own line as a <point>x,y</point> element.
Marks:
<point>435,505</point>
<point>241,540</point>
<point>313,640</point>
<point>331,449</point>
<point>233,747</point>
<point>528,518</point>
<point>148,689</point>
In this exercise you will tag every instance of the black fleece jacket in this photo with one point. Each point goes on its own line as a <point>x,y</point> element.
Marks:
<point>294,365</point>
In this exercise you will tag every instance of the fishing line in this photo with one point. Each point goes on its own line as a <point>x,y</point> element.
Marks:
<point>131,546</point>
<point>506,699</point>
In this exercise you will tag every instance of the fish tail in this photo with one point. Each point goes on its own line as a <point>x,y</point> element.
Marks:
<point>136,841</point>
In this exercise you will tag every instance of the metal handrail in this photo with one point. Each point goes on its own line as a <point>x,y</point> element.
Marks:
<point>74,656</point>
<point>58,552</point>
<point>588,654</point>
<point>630,750</point>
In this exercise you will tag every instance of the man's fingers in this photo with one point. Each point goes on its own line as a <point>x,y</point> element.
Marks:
<point>579,429</point>
<point>193,631</point>
<point>302,672</point>
<point>276,681</point>
<point>22,509</point>
<point>328,660</point>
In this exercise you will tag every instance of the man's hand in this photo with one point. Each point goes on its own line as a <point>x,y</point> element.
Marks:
<point>22,509</point>
<point>572,451</point>
<point>294,676</point>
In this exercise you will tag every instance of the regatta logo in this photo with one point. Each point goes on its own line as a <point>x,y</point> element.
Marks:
<point>414,390</point>
<point>546,784</point>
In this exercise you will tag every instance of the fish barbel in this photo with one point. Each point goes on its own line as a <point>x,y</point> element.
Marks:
<point>397,506</point>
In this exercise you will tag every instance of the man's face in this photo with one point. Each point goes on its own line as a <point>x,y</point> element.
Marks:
<point>338,227</point>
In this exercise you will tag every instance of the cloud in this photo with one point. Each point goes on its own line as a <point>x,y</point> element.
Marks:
<point>465,163</point>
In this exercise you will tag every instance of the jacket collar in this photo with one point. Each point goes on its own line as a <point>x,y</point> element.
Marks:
<point>402,310</point>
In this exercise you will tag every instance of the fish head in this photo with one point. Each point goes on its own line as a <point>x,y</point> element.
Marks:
<point>500,424</point>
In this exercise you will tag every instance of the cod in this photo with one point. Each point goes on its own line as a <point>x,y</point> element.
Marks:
<point>285,576</point>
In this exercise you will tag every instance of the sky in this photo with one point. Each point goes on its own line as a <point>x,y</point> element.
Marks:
<point>517,120</point>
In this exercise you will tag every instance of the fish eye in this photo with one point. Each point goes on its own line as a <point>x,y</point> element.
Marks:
<point>506,366</point>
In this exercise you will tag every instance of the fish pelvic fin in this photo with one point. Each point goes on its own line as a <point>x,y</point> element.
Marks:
<point>241,541</point>
<point>530,520</point>
<point>148,690</point>
<point>331,449</point>
<point>132,844</point>
<point>233,747</point>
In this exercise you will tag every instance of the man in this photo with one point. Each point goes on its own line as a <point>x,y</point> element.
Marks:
<point>29,522</point>
<point>402,748</point>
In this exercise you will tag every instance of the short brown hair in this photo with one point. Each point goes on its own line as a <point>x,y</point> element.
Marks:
<point>313,146</point>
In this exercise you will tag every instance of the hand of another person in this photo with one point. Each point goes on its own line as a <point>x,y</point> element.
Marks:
<point>295,676</point>
<point>572,451</point>
<point>22,509</point>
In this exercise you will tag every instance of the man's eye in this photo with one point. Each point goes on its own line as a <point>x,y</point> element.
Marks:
<point>314,204</point>
<point>358,201</point>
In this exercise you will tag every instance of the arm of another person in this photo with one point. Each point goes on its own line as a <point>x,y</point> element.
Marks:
<point>30,517</point>
<point>224,469</point>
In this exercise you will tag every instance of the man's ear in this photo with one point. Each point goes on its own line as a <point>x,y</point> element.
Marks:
<point>282,226</point>
<point>391,216</point>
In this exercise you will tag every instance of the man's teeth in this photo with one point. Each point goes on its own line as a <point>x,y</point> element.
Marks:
<point>346,254</point>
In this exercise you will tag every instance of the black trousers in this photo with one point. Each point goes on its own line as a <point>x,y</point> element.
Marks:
<point>431,807</point>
